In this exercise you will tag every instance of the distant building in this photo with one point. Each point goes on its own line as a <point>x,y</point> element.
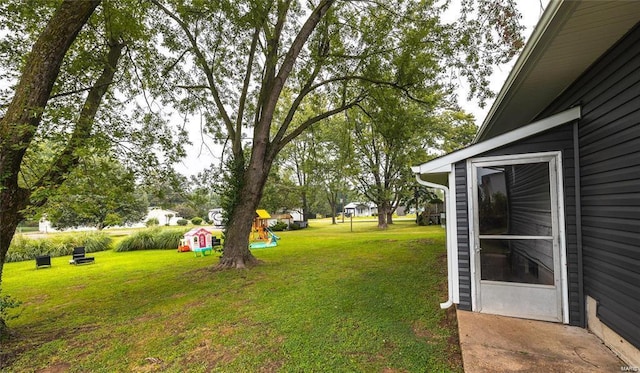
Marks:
<point>285,218</point>
<point>45,226</point>
<point>165,217</point>
<point>361,209</point>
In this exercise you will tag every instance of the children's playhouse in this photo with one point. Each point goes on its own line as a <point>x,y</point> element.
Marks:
<point>196,240</point>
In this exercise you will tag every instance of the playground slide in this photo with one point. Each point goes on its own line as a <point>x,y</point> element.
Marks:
<point>272,234</point>
<point>273,241</point>
<point>262,245</point>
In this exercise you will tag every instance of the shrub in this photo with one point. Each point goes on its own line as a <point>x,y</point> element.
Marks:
<point>183,222</point>
<point>294,226</point>
<point>151,239</point>
<point>152,222</point>
<point>96,242</point>
<point>424,219</point>
<point>168,239</point>
<point>138,241</point>
<point>112,220</point>
<point>197,220</point>
<point>23,248</point>
<point>279,226</point>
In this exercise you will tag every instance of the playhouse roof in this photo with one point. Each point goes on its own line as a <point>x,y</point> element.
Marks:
<point>196,231</point>
<point>263,214</point>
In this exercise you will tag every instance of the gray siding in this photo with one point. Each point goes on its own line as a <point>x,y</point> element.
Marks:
<point>462,216</point>
<point>609,147</point>
<point>558,139</point>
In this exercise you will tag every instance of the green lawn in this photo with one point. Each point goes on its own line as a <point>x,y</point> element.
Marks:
<point>325,300</point>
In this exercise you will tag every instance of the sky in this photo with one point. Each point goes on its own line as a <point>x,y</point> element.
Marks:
<point>200,156</point>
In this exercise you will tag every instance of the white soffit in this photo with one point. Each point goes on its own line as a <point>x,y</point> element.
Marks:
<point>444,163</point>
<point>569,38</point>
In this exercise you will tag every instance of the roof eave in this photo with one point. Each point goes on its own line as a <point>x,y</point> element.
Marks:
<point>445,163</point>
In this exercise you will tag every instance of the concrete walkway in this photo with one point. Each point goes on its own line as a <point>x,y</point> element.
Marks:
<point>493,343</point>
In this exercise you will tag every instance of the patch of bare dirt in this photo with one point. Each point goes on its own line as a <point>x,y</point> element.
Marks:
<point>56,368</point>
<point>421,331</point>
<point>271,366</point>
<point>212,354</point>
<point>393,370</point>
<point>151,364</point>
<point>454,353</point>
<point>21,342</point>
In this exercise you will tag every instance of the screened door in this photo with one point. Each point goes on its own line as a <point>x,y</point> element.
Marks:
<point>516,237</point>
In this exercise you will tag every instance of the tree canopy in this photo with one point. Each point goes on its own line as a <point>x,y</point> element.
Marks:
<point>98,193</point>
<point>251,68</point>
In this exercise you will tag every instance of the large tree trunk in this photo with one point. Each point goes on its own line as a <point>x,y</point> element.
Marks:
<point>334,211</point>
<point>11,203</point>
<point>382,221</point>
<point>305,205</point>
<point>383,212</point>
<point>24,113</point>
<point>236,253</point>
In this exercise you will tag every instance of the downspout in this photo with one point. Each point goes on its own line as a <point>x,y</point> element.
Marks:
<point>448,232</point>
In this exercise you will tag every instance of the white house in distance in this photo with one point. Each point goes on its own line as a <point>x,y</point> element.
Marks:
<point>361,208</point>
<point>165,217</point>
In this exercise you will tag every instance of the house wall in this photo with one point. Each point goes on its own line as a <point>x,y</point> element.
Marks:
<point>557,139</point>
<point>609,148</point>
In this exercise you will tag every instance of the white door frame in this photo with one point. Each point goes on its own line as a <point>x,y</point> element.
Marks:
<point>557,191</point>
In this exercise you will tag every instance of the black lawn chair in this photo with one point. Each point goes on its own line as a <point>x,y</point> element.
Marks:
<point>79,256</point>
<point>43,261</point>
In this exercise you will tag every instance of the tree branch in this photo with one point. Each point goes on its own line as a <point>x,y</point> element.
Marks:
<point>262,131</point>
<point>193,86</point>
<point>278,146</point>
<point>296,103</point>
<point>202,61</point>
<point>237,142</point>
<point>69,93</point>
<point>272,41</point>
<point>169,68</point>
<point>69,157</point>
